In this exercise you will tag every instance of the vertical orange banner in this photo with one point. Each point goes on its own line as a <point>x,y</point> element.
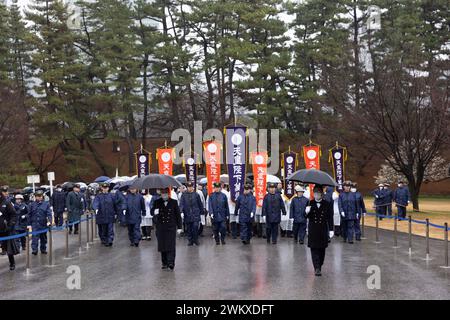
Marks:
<point>165,160</point>
<point>259,163</point>
<point>212,160</point>
<point>311,154</point>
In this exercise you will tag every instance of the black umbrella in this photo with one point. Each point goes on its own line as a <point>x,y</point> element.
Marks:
<point>313,176</point>
<point>155,181</point>
<point>68,186</point>
<point>181,179</point>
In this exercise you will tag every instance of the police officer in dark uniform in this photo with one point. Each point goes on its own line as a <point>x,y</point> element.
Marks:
<point>320,227</point>
<point>362,210</point>
<point>135,210</point>
<point>8,218</point>
<point>75,204</point>
<point>58,202</point>
<point>298,214</point>
<point>245,208</point>
<point>380,200</point>
<point>41,219</point>
<point>105,206</point>
<point>389,198</point>
<point>192,208</point>
<point>273,206</point>
<point>219,212</point>
<point>401,199</point>
<point>349,208</point>
<point>167,219</point>
<point>22,219</point>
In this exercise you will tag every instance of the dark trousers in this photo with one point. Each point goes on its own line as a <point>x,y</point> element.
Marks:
<point>59,220</point>
<point>200,230</point>
<point>401,211</point>
<point>192,231</point>
<point>299,230</point>
<point>219,227</point>
<point>381,211</point>
<point>350,226</point>
<point>106,233</point>
<point>343,228</point>
<point>259,230</point>
<point>22,241</point>
<point>134,233</point>
<point>246,231</point>
<point>146,231</point>
<point>358,228</point>
<point>76,227</point>
<point>389,210</point>
<point>168,258</point>
<point>234,229</point>
<point>318,256</point>
<point>39,240</point>
<point>272,231</point>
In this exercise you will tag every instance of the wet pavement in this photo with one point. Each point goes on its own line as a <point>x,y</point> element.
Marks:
<point>233,271</point>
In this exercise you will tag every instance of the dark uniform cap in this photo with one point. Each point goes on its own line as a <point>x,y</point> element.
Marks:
<point>347,183</point>
<point>105,185</point>
<point>354,184</point>
<point>39,193</point>
<point>76,185</point>
<point>216,184</point>
<point>248,187</point>
<point>272,185</point>
<point>4,188</point>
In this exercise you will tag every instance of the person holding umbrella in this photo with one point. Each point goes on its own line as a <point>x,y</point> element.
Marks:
<point>320,227</point>
<point>168,222</point>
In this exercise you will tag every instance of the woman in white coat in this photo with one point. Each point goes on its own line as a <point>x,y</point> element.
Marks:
<point>147,220</point>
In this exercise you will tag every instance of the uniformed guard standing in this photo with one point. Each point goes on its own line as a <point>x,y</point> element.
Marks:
<point>8,218</point>
<point>135,211</point>
<point>320,228</point>
<point>219,212</point>
<point>389,198</point>
<point>40,219</point>
<point>361,212</point>
<point>349,208</point>
<point>105,206</point>
<point>75,204</point>
<point>297,211</point>
<point>380,200</point>
<point>245,209</point>
<point>168,222</point>
<point>58,203</point>
<point>192,208</point>
<point>401,199</point>
<point>273,206</point>
<point>22,220</point>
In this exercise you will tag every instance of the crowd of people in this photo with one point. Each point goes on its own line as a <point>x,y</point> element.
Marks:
<point>319,214</point>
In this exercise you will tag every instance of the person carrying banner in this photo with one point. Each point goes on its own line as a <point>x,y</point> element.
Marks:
<point>320,228</point>
<point>349,208</point>
<point>219,212</point>
<point>245,209</point>
<point>297,212</point>
<point>401,199</point>
<point>362,210</point>
<point>273,206</point>
<point>191,209</point>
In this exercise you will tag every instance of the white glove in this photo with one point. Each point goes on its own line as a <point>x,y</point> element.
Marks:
<point>335,196</point>
<point>156,212</point>
<point>23,217</point>
<point>376,196</point>
<point>212,216</point>
<point>179,231</point>
<point>364,214</point>
<point>251,215</point>
<point>182,215</point>
<point>331,234</point>
<point>49,224</point>
<point>343,214</point>
<point>308,209</point>
<point>96,211</point>
<point>124,212</point>
<point>357,216</point>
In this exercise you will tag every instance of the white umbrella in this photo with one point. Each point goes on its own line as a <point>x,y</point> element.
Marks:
<point>203,181</point>
<point>273,179</point>
<point>82,185</point>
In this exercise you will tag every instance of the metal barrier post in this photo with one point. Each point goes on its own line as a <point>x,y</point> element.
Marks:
<point>95,227</point>
<point>27,237</point>
<point>79,237</point>
<point>410,235</point>
<point>67,239</point>
<point>50,246</point>
<point>87,231</point>
<point>395,233</point>
<point>363,226</point>
<point>446,266</point>
<point>92,228</point>
<point>427,238</point>
<point>377,239</point>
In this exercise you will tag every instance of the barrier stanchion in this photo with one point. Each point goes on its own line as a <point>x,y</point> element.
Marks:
<point>66,256</point>
<point>377,238</point>
<point>27,239</point>
<point>79,236</point>
<point>446,266</point>
<point>410,235</point>
<point>92,227</point>
<point>363,226</point>
<point>87,231</point>
<point>95,228</point>
<point>395,233</point>
<point>427,239</point>
<point>50,246</point>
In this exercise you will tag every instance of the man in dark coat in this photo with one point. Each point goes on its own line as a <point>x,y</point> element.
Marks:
<point>273,206</point>
<point>297,212</point>
<point>135,205</point>
<point>58,202</point>
<point>320,228</point>
<point>22,219</point>
<point>75,204</point>
<point>349,208</point>
<point>401,199</point>
<point>380,200</point>
<point>219,212</point>
<point>8,218</point>
<point>362,210</point>
<point>40,219</point>
<point>105,207</point>
<point>389,198</point>
<point>192,208</point>
<point>245,208</point>
<point>167,219</point>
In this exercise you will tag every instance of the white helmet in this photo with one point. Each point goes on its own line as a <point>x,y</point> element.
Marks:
<point>19,196</point>
<point>299,189</point>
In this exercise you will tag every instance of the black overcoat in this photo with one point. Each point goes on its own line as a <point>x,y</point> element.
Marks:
<point>320,222</point>
<point>167,222</point>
